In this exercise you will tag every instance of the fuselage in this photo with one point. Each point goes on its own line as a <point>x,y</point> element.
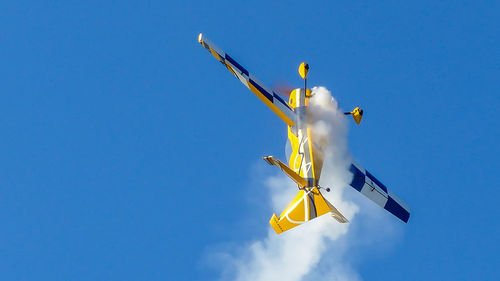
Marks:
<point>306,158</point>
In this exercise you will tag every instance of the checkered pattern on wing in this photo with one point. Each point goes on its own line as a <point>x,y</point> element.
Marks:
<point>364,182</point>
<point>271,98</point>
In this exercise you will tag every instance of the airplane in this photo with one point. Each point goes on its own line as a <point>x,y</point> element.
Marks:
<point>306,159</point>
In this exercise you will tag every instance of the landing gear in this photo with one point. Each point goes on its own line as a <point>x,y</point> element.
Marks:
<point>325,188</point>
<point>357,114</point>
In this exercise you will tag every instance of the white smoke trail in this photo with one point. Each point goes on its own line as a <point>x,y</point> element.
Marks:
<point>298,254</point>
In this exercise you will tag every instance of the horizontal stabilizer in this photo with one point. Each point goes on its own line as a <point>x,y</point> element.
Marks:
<point>306,205</point>
<point>336,214</point>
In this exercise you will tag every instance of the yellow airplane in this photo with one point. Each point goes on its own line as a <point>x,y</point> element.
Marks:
<point>306,160</point>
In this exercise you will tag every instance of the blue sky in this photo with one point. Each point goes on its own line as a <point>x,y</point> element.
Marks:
<point>129,153</point>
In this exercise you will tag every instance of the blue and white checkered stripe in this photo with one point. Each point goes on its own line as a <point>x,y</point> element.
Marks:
<point>376,191</point>
<point>247,79</point>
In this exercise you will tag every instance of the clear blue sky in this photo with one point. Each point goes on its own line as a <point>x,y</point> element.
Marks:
<point>127,151</point>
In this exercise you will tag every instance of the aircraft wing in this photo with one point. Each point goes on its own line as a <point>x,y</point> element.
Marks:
<point>270,98</point>
<point>301,182</point>
<point>364,182</point>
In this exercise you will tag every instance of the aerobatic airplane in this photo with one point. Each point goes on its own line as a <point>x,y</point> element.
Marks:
<point>306,160</point>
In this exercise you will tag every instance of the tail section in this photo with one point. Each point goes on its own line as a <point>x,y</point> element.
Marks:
<point>306,205</point>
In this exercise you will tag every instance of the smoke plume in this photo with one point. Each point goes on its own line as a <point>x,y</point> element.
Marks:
<point>317,249</point>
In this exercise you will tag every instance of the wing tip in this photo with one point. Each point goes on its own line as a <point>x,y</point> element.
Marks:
<point>339,217</point>
<point>274,221</point>
<point>200,37</point>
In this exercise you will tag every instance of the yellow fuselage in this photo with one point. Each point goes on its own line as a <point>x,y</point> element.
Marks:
<point>306,158</point>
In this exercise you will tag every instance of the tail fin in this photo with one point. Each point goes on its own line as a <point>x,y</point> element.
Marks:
<point>306,205</point>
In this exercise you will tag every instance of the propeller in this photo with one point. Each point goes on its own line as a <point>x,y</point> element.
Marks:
<point>283,88</point>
